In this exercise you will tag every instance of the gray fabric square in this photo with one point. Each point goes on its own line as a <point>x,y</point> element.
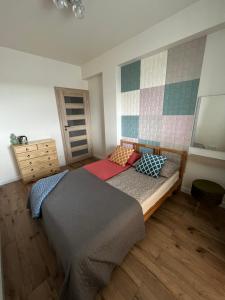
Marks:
<point>184,62</point>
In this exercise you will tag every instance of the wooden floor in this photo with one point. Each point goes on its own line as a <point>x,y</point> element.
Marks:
<point>182,256</point>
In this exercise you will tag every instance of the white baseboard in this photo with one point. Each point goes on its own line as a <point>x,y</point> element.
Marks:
<point>186,189</point>
<point>99,156</point>
<point>6,181</point>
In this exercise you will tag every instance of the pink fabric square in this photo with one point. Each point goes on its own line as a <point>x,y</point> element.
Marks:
<point>151,101</point>
<point>176,131</point>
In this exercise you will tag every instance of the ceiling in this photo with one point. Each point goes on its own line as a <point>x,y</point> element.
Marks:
<point>37,27</point>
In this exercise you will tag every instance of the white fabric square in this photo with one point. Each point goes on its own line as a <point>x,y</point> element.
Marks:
<point>130,103</point>
<point>153,70</point>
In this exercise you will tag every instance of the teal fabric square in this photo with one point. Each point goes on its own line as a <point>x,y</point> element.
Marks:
<point>147,142</point>
<point>180,98</point>
<point>130,126</point>
<point>130,76</point>
<point>145,150</point>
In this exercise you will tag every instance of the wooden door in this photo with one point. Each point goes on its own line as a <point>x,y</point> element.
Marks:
<point>73,108</point>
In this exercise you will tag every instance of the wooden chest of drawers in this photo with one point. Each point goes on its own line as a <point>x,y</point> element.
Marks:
<point>37,159</point>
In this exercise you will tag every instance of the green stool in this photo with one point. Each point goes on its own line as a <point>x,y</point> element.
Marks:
<point>207,192</point>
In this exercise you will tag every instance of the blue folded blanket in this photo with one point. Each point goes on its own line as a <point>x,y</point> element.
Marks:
<point>40,191</point>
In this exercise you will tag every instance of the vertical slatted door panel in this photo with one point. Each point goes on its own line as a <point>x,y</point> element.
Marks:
<point>76,124</point>
<point>76,116</point>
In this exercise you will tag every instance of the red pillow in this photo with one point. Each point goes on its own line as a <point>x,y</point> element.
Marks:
<point>134,157</point>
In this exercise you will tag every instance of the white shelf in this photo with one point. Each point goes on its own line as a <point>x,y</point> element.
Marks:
<point>207,153</point>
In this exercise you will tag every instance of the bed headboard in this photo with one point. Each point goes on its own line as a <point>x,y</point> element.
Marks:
<point>178,155</point>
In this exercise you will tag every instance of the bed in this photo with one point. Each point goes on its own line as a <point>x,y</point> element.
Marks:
<point>148,191</point>
<point>173,184</point>
<point>92,224</point>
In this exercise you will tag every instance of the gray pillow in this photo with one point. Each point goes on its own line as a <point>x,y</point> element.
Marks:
<point>169,168</point>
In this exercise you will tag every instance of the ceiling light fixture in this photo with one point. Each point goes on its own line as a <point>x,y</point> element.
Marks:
<point>77,6</point>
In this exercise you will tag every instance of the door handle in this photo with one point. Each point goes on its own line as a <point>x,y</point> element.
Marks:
<point>66,126</point>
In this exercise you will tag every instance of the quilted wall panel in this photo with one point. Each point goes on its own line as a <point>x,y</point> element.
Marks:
<point>130,125</point>
<point>153,70</point>
<point>159,96</point>
<point>185,61</point>
<point>130,103</point>
<point>180,98</point>
<point>176,131</point>
<point>130,77</point>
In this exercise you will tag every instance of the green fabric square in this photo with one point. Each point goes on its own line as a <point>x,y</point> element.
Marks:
<point>130,77</point>
<point>180,98</point>
<point>130,126</point>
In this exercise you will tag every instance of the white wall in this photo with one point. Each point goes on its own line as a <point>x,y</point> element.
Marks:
<point>97,115</point>
<point>193,21</point>
<point>200,18</point>
<point>213,68</point>
<point>212,82</point>
<point>210,130</point>
<point>27,102</point>
<point>199,167</point>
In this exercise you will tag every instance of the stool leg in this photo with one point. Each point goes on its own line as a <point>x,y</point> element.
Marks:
<point>197,207</point>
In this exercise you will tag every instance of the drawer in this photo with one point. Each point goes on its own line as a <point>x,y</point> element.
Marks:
<point>30,178</point>
<point>28,155</point>
<point>43,173</point>
<point>25,148</point>
<point>37,161</point>
<point>47,151</point>
<point>46,145</point>
<point>30,170</point>
<point>52,164</point>
<point>34,154</point>
<point>50,171</point>
<point>39,168</point>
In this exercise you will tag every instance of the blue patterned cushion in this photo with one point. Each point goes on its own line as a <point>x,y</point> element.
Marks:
<point>151,165</point>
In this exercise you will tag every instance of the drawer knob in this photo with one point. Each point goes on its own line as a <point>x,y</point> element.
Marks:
<point>30,162</point>
<point>51,170</point>
<point>46,145</point>
<point>27,149</point>
<point>50,164</point>
<point>32,169</point>
<point>28,155</point>
<point>33,176</point>
<point>47,151</point>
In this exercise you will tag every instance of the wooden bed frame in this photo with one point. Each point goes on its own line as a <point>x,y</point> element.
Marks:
<point>158,150</point>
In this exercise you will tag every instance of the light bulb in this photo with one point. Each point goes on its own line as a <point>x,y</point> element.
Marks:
<point>79,10</point>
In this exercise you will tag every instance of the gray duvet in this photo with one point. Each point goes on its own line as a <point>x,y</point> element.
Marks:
<point>92,227</point>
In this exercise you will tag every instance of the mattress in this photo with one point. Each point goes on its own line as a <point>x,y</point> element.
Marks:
<point>145,189</point>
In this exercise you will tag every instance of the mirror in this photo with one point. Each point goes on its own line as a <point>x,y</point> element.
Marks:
<point>209,128</point>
